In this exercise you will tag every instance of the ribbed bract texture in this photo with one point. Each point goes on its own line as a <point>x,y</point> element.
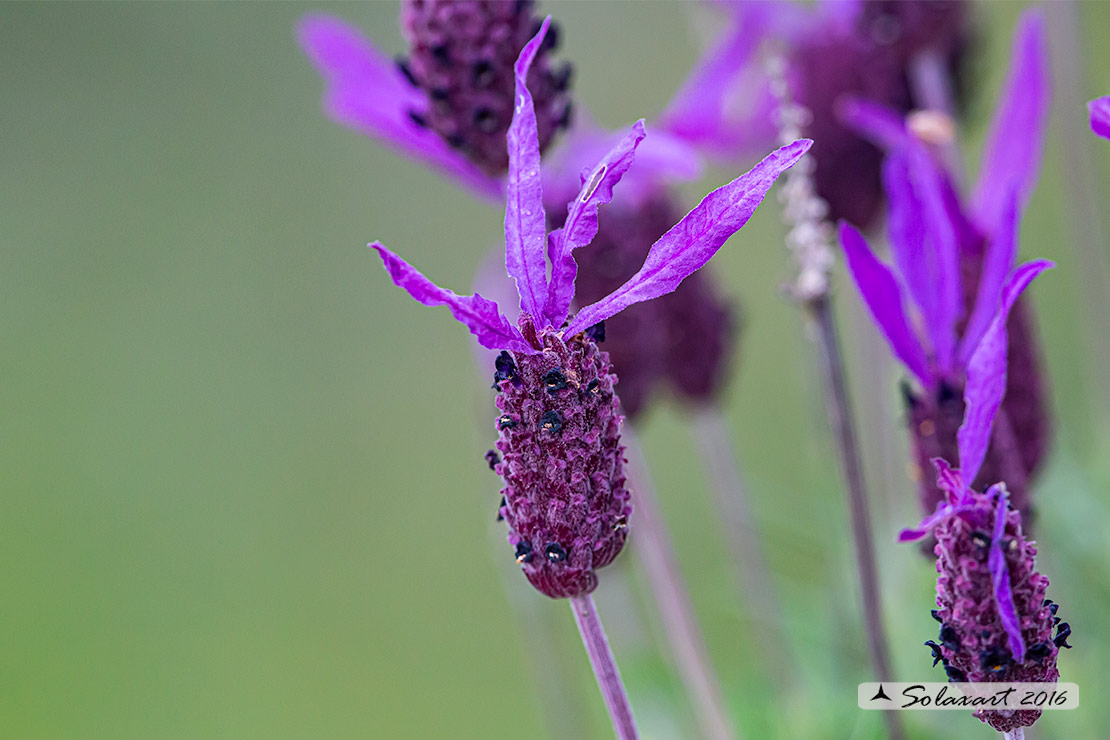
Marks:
<point>462,54</point>
<point>683,340</point>
<point>870,63</point>
<point>565,500</point>
<point>1022,428</point>
<point>972,642</point>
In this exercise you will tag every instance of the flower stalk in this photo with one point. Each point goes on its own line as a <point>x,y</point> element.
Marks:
<point>604,665</point>
<point>808,241</point>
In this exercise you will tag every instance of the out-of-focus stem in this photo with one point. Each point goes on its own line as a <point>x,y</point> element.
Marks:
<point>605,666</point>
<point>1018,734</point>
<point>734,505</point>
<point>838,406</point>
<point>809,242</point>
<point>653,544</point>
<point>932,89</point>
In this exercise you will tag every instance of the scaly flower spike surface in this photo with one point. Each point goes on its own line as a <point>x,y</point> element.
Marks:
<point>951,256</point>
<point>449,102</point>
<point>565,502</point>
<point>995,622</point>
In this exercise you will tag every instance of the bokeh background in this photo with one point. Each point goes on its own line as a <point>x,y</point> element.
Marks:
<point>242,492</point>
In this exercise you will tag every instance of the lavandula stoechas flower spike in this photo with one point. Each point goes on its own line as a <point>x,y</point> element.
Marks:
<point>449,102</point>
<point>832,50</point>
<point>995,622</point>
<point>566,506</point>
<point>951,256</point>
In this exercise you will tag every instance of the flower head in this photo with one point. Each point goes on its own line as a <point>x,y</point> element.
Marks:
<point>834,50</point>
<point>565,502</point>
<point>951,257</point>
<point>681,342</point>
<point>996,624</point>
<point>450,102</point>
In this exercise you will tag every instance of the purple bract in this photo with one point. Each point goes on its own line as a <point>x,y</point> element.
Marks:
<point>951,257</point>
<point>563,429</point>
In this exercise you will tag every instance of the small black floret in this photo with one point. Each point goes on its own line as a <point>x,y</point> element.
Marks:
<point>1038,652</point>
<point>551,421</point>
<point>492,458</point>
<point>949,638</point>
<point>955,675</point>
<point>506,422</point>
<point>523,552</point>
<point>555,552</point>
<point>554,381</point>
<point>937,656</point>
<point>936,616</point>
<point>1063,631</point>
<point>995,660</point>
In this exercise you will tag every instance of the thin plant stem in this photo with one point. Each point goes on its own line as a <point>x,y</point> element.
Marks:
<point>605,666</point>
<point>838,407</point>
<point>809,242</point>
<point>1018,734</point>
<point>653,544</point>
<point>711,433</point>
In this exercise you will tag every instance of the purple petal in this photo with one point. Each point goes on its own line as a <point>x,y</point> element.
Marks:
<point>480,315</point>
<point>948,479</point>
<point>524,215</point>
<point>986,375</point>
<point>926,525</point>
<point>1013,153</point>
<point>1001,251</point>
<point>1099,108</point>
<point>691,242</point>
<point>1000,575</point>
<point>883,297</point>
<point>923,242</point>
<point>580,226</point>
<point>726,104</point>
<point>660,158</point>
<point>366,92</point>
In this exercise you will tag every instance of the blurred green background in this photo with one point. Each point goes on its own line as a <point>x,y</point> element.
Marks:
<point>243,493</point>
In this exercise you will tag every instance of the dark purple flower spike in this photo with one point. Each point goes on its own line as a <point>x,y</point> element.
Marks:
<point>448,104</point>
<point>834,50</point>
<point>950,261</point>
<point>996,624</point>
<point>1099,109</point>
<point>566,505</point>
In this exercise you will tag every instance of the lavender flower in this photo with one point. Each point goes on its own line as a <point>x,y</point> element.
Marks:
<point>681,342</point>
<point>834,50</point>
<point>565,502</point>
<point>951,257</point>
<point>1099,109</point>
<point>449,103</point>
<point>996,624</point>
